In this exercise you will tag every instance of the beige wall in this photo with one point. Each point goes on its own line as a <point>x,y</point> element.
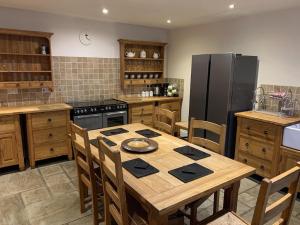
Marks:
<point>273,37</point>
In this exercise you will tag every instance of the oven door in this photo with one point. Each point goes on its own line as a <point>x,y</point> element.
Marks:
<point>114,118</point>
<point>90,122</point>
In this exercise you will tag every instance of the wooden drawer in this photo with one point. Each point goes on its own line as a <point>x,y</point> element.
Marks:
<point>261,149</point>
<point>144,119</point>
<point>259,129</point>
<point>142,109</point>
<point>7,124</point>
<point>263,167</point>
<point>49,135</point>
<point>172,106</point>
<point>49,119</point>
<point>51,150</point>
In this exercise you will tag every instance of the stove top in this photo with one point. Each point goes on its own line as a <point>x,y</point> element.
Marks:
<point>96,103</point>
<point>100,106</point>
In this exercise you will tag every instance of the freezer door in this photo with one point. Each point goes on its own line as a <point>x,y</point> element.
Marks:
<point>199,81</point>
<point>198,88</point>
<point>219,93</point>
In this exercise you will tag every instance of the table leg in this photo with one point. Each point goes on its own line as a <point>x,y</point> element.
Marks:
<point>155,219</point>
<point>231,197</point>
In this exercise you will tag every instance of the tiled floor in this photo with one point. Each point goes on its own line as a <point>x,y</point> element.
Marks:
<point>48,196</point>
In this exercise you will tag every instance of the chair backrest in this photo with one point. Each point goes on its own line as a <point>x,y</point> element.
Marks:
<point>164,120</point>
<point>113,184</point>
<point>220,130</point>
<point>83,155</point>
<point>284,205</point>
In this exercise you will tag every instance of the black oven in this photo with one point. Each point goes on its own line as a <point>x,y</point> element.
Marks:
<point>111,119</point>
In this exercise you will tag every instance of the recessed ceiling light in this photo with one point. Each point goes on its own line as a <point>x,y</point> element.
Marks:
<point>231,6</point>
<point>105,11</point>
<point>169,21</point>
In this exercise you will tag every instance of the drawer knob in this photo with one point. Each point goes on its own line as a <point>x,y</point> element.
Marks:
<point>247,145</point>
<point>264,150</point>
<point>266,132</point>
<point>245,160</point>
<point>51,149</point>
<point>248,127</point>
<point>49,120</point>
<point>142,121</point>
<point>262,167</point>
<point>50,135</point>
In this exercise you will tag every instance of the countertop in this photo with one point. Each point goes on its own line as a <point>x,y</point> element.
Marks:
<point>137,99</point>
<point>4,111</point>
<point>264,117</point>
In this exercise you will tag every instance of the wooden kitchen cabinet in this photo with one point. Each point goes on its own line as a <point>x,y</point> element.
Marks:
<point>142,111</point>
<point>47,134</point>
<point>259,140</point>
<point>11,148</point>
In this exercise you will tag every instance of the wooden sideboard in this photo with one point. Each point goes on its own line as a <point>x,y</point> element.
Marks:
<point>47,133</point>
<point>141,109</point>
<point>11,148</point>
<point>259,141</point>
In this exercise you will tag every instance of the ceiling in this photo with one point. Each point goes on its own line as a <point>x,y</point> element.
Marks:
<point>154,13</point>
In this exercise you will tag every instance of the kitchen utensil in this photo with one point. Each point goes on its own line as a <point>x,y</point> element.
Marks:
<point>129,54</point>
<point>156,55</point>
<point>140,145</point>
<point>143,54</point>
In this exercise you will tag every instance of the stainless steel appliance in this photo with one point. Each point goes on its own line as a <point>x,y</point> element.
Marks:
<point>222,84</point>
<point>99,114</point>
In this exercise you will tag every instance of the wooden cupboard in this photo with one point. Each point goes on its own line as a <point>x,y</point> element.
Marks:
<point>25,59</point>
<point>137,70</point>
<point>47,134</point>
<point>259,140</point>
<point>142,111</point>
<point>11,148</point>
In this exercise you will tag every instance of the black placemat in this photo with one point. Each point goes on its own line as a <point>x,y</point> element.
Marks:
<point>147,133</point>
<point>107,141</point>
<point>190,172</point>
<point>191,152</point>
<point>114,131</point>
<point>139,168</point>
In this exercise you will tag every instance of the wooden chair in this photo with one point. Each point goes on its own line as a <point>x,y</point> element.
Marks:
<point>120,207</point>
<point>218,147</point>
<point>161,117</point>
<point>89,176</point>
<point>264,212</point>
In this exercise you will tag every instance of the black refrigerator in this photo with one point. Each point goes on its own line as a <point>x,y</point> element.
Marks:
<point>221,85</point>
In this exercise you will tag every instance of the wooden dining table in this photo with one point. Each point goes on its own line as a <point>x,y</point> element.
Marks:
<point>161,193</point>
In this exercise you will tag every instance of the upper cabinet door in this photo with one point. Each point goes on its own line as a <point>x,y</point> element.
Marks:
<point>8,150</point>
<point>219,94</point>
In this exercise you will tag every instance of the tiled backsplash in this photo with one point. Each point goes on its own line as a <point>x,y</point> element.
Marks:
<point>272,105</point>
<point>77,79</point>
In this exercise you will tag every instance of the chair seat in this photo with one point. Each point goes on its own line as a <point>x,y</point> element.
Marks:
<point>228,219</point>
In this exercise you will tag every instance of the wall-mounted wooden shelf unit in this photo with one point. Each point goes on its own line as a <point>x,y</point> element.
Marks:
<point>23,63</point>
<point>137,66</point>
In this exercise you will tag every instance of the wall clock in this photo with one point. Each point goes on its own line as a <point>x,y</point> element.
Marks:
<point>85,38</point>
